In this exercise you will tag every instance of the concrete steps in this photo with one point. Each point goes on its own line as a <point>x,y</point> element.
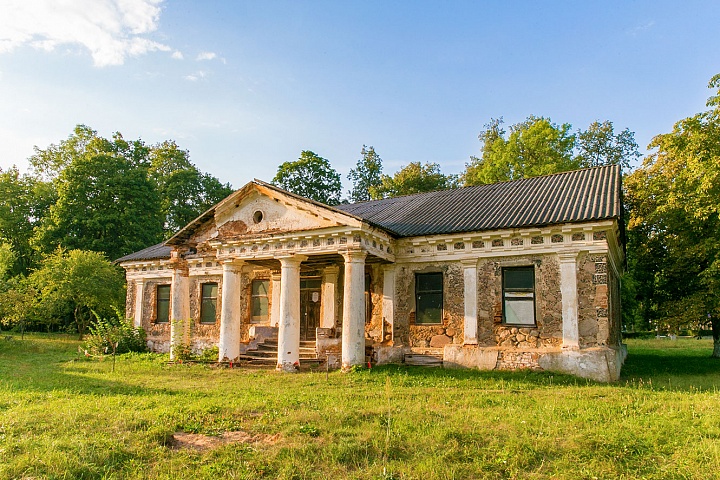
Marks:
<point>266,353</point>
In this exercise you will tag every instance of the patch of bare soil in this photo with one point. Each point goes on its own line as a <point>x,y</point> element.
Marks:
<point>200,442</point>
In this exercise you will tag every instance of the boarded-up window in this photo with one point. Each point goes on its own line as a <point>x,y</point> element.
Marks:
<point>428,298</point>
<point>260,302</point>
<point>208,306</point>
<point>519,296</point>
<point>162,304</point>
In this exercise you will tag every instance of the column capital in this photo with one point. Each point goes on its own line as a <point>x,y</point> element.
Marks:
<point>291,260</point>
<point>353,255</point>
<point>567,257</point>
<point>140,281</point>
<point>232,265</point>
<point>331,270</point>
<point>469,263</point>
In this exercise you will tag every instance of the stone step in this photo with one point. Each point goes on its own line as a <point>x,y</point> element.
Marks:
<point>425,360</point>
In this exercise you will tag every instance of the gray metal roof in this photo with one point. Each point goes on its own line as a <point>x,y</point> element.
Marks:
<point>576,196</point>
<point>155,252</point>
<point>569,197</point>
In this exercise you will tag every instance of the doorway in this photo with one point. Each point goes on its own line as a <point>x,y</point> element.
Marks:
<point>310,289</point>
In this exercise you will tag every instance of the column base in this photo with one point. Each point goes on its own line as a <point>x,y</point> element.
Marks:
<point>288,367</point>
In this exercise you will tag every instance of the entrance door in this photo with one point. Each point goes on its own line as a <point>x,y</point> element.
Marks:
<point>309,307</point>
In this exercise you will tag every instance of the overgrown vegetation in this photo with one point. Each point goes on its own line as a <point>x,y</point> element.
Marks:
<point>62,416</point>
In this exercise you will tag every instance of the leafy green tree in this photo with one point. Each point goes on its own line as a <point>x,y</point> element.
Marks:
<point>600,145</point>
<point>185,192</point>
<point>674,203</point>
<point>534,147</point>
<point>311,176</point>
<point>22,206</point>
<point>414,178</point>
<point>84,279</point>
<point>366,177</point>
<point>105,200</point>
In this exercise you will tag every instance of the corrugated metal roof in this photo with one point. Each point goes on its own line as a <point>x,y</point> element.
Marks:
<point>155,252</point>
<point>569,197</point>
<point>576,196</point>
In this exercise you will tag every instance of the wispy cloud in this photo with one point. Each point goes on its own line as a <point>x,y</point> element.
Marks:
<point>111,30</point>
<point>206,56</point>
<point>177,55</point>
<point>642,28</point>
<point>194,77</point>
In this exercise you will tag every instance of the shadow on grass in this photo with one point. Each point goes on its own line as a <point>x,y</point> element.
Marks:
<point>690,369</point>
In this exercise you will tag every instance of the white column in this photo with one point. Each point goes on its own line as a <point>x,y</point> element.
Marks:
<point>289,331</point>
<point>353,328</point>
<point>230,314</point>
<point>470,327</point>
<point>329,287</point>
<point>139,293</point>
<point>179,310</point>
<point>568,291</point>
<point>388,302</point>
<point>275,299</point>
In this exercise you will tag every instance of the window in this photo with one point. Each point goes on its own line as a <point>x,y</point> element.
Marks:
<point>208,305</point>
<point>519,295</point>
<point>162,304</point>
<point>260,301</point>
<point>428,298</point>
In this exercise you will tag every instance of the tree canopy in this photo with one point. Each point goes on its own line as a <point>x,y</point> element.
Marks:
<point>674,226</point>
<point>310,176</point>
<point>366,177</point>
<point>537,146</point>
<point>414,178</point>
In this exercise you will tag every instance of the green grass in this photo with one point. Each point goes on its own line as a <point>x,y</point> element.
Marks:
<point>65,417</point>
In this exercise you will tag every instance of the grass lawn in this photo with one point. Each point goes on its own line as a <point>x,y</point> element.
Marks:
<point>65,417</point>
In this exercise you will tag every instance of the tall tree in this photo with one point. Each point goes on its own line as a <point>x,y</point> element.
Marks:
<point>18,217</point>
<point>534,147</point>
<point>105,199</point>
<point>85,280</point>
<point>600,145</point>
<point>185,192</point>
<point>310,176</point>
<point>414,178</point>
<point>674,202</point>
<point>366,177</point>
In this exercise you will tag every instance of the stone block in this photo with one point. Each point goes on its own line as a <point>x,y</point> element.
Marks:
<point>440,341</point>
<point>469,356</point>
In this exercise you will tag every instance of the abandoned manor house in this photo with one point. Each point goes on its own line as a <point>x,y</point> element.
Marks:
<point>513,275</point>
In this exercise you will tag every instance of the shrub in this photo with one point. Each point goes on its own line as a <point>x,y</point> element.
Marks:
<point>118,335</point>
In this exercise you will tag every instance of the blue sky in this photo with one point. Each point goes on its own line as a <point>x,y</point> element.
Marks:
<point>245,86</point>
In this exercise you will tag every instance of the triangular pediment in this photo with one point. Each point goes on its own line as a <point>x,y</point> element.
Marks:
<point>260,210</point>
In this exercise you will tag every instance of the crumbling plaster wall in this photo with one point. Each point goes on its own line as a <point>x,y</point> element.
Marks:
<point>407,333</point>
<point>374,328</point>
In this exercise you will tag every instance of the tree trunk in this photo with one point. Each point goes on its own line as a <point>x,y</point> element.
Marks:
<point>715,323</point>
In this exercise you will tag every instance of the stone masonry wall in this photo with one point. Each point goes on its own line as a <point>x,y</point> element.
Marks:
<point>451,329</point>
<point>548,304</point>
<point>594,280</point>
<point>374,328</point>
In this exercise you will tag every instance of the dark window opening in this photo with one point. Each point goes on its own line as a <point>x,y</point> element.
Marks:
<point>208,305</point>
<point>162,304</point>
<point>428,298</point>
<point>260,300</point>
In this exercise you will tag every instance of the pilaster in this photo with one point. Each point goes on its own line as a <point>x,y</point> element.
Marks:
<point>470,327</point>
<point>568,291</point>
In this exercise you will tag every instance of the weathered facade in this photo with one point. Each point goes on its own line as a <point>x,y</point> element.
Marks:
<point>521,274</point>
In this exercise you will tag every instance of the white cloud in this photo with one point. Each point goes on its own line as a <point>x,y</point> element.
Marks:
<point>206,56</point>
<point>194,77</point>
<point>177,55</point>
<point>642,28</point>
<point>111,30</point>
